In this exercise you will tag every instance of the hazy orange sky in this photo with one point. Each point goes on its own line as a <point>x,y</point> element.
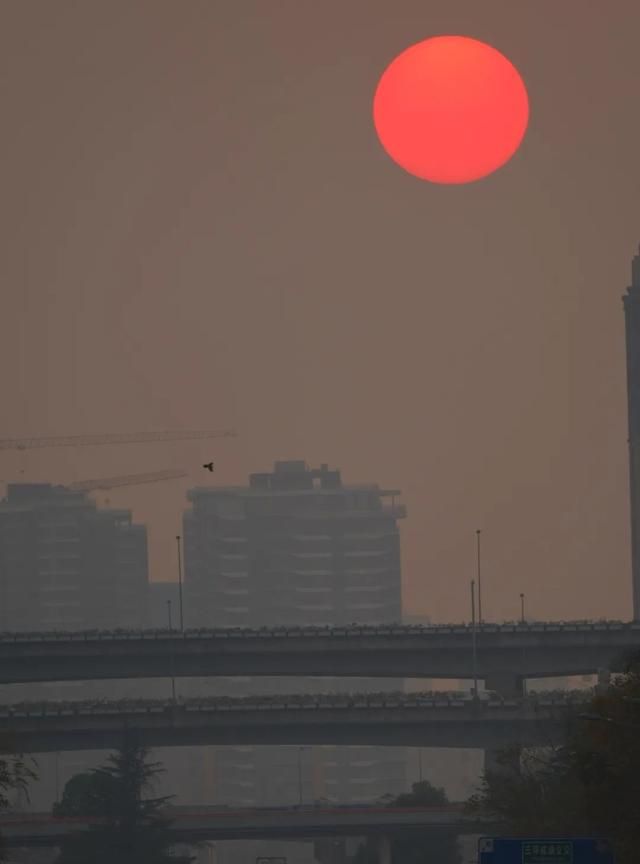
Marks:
<point>200,229</point>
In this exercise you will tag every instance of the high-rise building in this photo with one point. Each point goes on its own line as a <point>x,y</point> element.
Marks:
<point>631,302</point>
<point>296,547</point>
<point>67,565</point>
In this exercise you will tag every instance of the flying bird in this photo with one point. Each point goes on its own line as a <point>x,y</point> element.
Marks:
<point>208,466</point>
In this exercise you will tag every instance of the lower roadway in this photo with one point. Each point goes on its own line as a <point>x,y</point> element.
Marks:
<point>222,823</point>
<point>505,654</point>
<point>373,719</point>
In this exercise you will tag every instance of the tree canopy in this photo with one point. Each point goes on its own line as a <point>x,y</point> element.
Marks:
<point>415,847</point>
<point>423,794</point>
<point>589,783</point>
<point>133,829</point>
<point>16,772</point>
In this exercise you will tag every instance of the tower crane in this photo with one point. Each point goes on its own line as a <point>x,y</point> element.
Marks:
<point>114,438</point>
<point>125,480</point>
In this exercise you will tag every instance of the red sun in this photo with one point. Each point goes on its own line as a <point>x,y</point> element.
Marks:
<point>451,109</point>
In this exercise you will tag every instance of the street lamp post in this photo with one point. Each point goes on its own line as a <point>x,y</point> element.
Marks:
<point>474,651</point>
<point>173,677</point>
<point>57,777</point>
<point>523,621</point>
<point>300,749</point>
<point>478,533</point>
<point>180,582</point>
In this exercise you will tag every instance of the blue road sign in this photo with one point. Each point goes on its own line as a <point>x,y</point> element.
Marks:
<point>544,850</point>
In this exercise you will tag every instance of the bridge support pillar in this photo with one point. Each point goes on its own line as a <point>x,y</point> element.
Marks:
<point>495,763</point>
<point>604,680</point>
<point>383,848</point>
<point>330,850</point>
<point>509,685</point>
<point>492,761</point>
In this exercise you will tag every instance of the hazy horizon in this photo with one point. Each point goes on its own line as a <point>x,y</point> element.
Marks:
<point>202,231</point>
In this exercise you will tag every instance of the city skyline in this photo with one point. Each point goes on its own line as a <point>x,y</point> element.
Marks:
<point>358,285</point>
<point>316,299</point>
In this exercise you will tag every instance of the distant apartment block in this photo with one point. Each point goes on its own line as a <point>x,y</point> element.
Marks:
<point>296,546</point>
<point>67,565</point>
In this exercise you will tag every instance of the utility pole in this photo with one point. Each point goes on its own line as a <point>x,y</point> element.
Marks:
<point>523,621</point>
<point>173,677</point>
<point>300,749</point>
<point>180,583</point>
<point>478,532</point>
<point>474,655</point>
<point>57,777</point>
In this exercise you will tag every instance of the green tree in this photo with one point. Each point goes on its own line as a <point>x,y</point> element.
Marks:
<point>532,792</point>
<point>16,772</point>
<point>87,795</point>
<point>415,847</point>
<point>423,794</point>
<point>587,784</point>
<point>132,828</point>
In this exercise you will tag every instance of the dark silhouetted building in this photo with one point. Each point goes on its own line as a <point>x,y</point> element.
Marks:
<point>67,565</point>
<point>632,326</point>
<point>296,547</point>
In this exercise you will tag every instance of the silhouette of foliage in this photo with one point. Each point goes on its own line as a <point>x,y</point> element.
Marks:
<point>86,795</point>
<point>588,784</point>
<point>414,847</point>
<point>16,772</point>
<point>423,794</point>
<point>133,829</point>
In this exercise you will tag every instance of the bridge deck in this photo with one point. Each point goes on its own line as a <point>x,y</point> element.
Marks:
<point>376,719</point>
<point>536,650</point>
<point>232,824</point>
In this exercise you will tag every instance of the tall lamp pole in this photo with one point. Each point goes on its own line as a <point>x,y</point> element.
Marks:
<point>474,652</point>
<point>478,532</point>
<point>180,582</point>
<point>300,749</point>
<point>523,621</point>
<point>173,677</point>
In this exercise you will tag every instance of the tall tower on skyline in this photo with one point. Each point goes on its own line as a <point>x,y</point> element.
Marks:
<point>631,302</point>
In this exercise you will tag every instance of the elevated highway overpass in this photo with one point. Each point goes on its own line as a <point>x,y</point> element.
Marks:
<point>222,823</point>
<point>506,653</point>
<point>367,719</point>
